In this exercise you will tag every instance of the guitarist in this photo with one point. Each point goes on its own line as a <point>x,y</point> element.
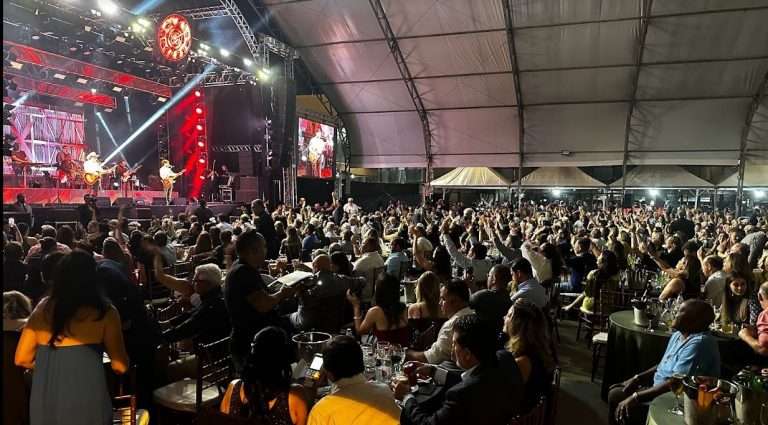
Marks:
<point>168,177</point>
<point>94,169</point>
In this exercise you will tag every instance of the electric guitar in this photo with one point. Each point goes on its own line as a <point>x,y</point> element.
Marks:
<point>170,180</point>
<point>92,178</point>
<point>128,173</point>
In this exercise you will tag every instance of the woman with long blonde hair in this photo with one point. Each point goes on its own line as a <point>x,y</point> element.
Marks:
<point>427,305</point>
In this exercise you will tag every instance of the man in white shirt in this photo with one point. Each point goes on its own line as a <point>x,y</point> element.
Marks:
<point>527,287</point>
<point>454,303</point>
<point>351,208</point>
<point>367,265</point>
<point>714,287</point>
<point>167,175</point>
<point>474,261</point>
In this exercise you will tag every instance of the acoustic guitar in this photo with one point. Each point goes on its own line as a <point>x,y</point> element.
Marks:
<point>168,182</point>
<point>92,178</point>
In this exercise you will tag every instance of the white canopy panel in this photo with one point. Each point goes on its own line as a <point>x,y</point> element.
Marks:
<point>755,175</point>
<point>471,178</point>
<point>661,177</point>
<point>565,177</point>
<point>703,62</point>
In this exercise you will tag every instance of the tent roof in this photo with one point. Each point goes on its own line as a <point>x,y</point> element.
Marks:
<point>755,175</point>
<point>471,178</point>
<point>661,177</point>
<point>565,177</point>
<point>575,65</point>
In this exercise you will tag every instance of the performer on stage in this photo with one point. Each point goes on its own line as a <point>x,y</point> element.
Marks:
<point>121,169</point>
<point>316,146</point>
<point>168,177</point>
<point>94,169</point>
<point>20,162</point>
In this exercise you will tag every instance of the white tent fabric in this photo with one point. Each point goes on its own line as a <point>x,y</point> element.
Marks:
<point>755,175</point>
<point>471,178</point>
<point>563,177</point>
<point>702,64</point>
<point>662,177</point>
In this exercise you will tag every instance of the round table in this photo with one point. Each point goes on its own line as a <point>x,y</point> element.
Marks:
<point>633,349</point>
<point>659,411</point>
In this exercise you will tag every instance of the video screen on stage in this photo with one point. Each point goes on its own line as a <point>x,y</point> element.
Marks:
<point>315,149</point>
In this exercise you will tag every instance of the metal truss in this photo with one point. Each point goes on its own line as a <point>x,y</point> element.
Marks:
<point>237,148</point>
<point>258,50</point>
<point>163,139</point>
<point>227,77</point>
<point>645,18</point>
<point>200,12</point>
<point>405,73</point>
<point>509,25</point>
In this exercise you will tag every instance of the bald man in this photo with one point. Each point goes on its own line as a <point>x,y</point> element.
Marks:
<point>691,351</point>
<point>323,299</point>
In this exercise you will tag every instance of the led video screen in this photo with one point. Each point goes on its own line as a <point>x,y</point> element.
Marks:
<point>315,149</point>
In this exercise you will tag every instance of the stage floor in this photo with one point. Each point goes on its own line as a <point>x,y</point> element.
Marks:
<point>75,196</point>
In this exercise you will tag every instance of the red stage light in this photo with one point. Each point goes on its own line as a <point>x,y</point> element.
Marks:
<point>202,160</point>
<point>199,127</point>
<point>197,93</point>
<point>199,110</point>
<point>202,177</point>
<point>201,144</point>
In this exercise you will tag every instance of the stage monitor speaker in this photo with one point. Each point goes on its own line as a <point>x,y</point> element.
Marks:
<point>158,201</point>
<point>246,195</point>
<point>180,201</point>
<point>119,202</point>
<point>144,213</point>
<point>103,201</point>
<point>249,183</point>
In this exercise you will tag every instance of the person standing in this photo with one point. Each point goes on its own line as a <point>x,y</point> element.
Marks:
<point>168,177</point>
<point>266,226</point>
<point>63,342</point>
<point>21,206</point>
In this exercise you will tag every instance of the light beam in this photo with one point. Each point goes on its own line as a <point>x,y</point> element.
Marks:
<point>109,133</point>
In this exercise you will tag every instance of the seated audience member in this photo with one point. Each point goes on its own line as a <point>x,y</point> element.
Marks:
<point>46,231</point>
<point>490,391</point>
<point>369,263</point>
<point>58,343</point>
<point>340,263</point>
<point>322,301</point>
<point>291,245</point>
<point>310,242</point>
<point>714,287</point>
<point>580,265</point>
<point>757,336</point>
<point>167,252</point>
<point>224,252</point>
<point>687,276</point>
<point>605,277</point>
<point>14,270</point>
<point>740,303</point>
<point>251,307</point>
<point>387,318</point>
<point>42,272</point>
<point>16,309</point>
<point>526,286</point>
<point>397,262</point>
<point>454,303</point>
<point>265,392</point>
<point>528,332</point>
<point>353,399</point>
<point>492,304</point>
<point>208,320</point>
<point>427,305</point>
<point>475,260</point>
<point>690,351</point>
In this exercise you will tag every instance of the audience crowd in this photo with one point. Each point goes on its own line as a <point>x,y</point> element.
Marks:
<point>470,291</point>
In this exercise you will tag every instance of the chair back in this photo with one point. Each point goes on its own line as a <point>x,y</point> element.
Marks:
<point>425,339</point>
<point>214,368</point>
<point>182,270</point>
<point>168,312</point>
<point>535,417</point>
<point>124,410</point>
<point>552,397</point>
<point>637,279</point>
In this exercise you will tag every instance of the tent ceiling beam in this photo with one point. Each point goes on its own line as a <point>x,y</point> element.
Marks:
<point>564,68</point>
<point>645,11</point>
<point>756,101</point>
<point>405,73</point>
<point>509,27</point>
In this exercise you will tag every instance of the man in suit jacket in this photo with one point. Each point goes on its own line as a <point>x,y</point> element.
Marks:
<point>491,387</point>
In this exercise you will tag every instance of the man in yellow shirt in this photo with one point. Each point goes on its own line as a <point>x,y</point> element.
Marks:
<point>353,400</point>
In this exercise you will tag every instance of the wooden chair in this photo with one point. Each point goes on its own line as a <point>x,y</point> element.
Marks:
<point>536,416</point>
<point>637,279</point>
<point>214,372</point>
<point>424,339</point>
<point>124,410</point>
<point>608,303</point>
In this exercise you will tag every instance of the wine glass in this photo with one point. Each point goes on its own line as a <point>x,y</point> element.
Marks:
<point>397,355</point>
<point>677,389</point>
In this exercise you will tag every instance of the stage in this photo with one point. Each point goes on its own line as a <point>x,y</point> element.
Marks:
<point>45,196</point>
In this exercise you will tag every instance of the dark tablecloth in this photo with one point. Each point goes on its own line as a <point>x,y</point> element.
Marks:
<point>633,349</point>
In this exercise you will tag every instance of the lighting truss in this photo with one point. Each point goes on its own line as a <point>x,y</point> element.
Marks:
<point>258,50</point>
<point>198,13</point>
<point>227,77</point>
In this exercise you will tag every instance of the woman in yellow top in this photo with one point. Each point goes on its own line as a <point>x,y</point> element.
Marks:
<point>606,276</point>
<point>63,342</point>
<point>265,391</point>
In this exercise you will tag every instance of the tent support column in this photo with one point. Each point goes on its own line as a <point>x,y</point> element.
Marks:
<point>405,73</point>
<point>696,202</point>
<point>756,100</point>
<point>645,17</point>
<point>509,26</point>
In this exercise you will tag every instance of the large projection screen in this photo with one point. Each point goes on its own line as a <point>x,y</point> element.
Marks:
<point>315,148</point>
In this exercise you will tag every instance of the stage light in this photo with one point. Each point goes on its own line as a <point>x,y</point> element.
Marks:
<point>247,62</point>
<point>263,74</point>
<point>82,81</point>
<point>758,194</point>
<point>204,46</point>
<point>198,110</point>
<point>117,89</point>
<point>304,158</point>
<point>202,177</point>
<point>200,144</point>
<point>161,99</point>
<point>93,90</point>
<point>202,160</point>
<point>59,76</point>
<point>16,65</point>
<point>116,185</point>
<point>144,22</point>
<point>95,12</point>
<point>653,192</point>
<point>108,6</point>
<point>199,127</point>
<point>351,176</point>
<point>197,93</point>
<point>224,52</point>
<point>556,193</point>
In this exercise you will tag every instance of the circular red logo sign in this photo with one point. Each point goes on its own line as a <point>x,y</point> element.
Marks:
<point>174,37</point>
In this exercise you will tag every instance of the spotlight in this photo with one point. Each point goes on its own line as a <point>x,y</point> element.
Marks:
<point>161,99</point>
<point>117,89</point>
<point>304,158</point>
<point>93,90</point>
<point>59,76</point>
<point>116,185</point>
<point>758,194</point>
<point>82,80</point>
<point>199,127</point>
<point>200,144</point>
<point>202,160</point>
<point>202,177</point>
<point>197,93</point>
<point>144,22</point>
<point>204,46</point>
<point>224,52</point>
<point>556,193</point>
<point>16,65</point>
<point>351,176</point>
<point>247,62</point>
<point>263,74</point>
<point>108,6</point>
<point>653,192</point>
<point>198,110</point>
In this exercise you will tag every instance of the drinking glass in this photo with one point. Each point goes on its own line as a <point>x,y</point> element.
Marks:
<point>397,354</point>
<point>677,388</point>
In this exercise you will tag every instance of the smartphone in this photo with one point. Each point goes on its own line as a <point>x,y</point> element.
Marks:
<point>313,372</point>
<point>11,221</point>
